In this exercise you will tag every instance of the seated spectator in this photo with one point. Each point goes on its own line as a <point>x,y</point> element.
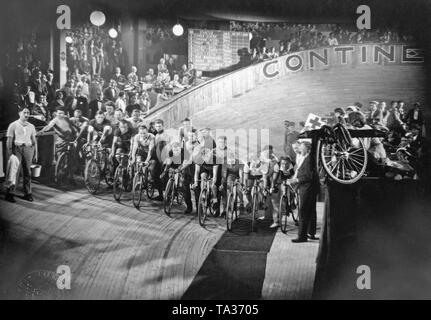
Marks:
<point>133,77</point>
<point>161,67</point>
<point>144,102</point>
<point>119,78</point>
<point>150,76</point>
<point>332,40</point>
<point>40,108</point>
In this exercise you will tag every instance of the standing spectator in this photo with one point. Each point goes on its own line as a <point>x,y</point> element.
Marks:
<point>119,78</point>
<point>133,76</point>
<point>21,142</point>
<point>306,178</point>
<point>332,40</point>
<point>111,92</point>
<point>161,67</point>
<point>51,87</point>
<point>95,105</point>
<point>120,103</point>
<point>171,67</point>
<point>415,116</point>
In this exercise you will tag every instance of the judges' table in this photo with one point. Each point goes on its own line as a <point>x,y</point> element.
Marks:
<point>375,233</point>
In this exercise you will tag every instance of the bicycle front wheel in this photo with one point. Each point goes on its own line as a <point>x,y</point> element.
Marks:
<point>92,174</point>
<point>61,169</point>
<point>230,212</point>
<point>203,207</point>
<point>255,209</point>
<point>283,213</point>
<point>168,197</point>
<point>118,182</point>
<point>137,190</point>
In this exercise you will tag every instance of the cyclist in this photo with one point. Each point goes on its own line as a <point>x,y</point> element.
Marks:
<point>158,153</point>
<point>283,170</point>
<point>100,130</point>
<point>65,133</point>
<point>205,165</point>
<point>231,169</point>
<point>121,142</point>
<point>142,144</point>
<point>262,166</point>
<point>190,145</point>
<point>135,119</point>
<point>80,124</point>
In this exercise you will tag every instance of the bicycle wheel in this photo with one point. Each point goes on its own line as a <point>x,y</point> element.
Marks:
<point>283,213</point>
<point>137,190</point>
<point>168,198</point>
<point>118,182</point>
<point>343,164</point>
<point>294,207</point>
<point>230,212</point>
<point>92,176</point>
<point>109,173</point>
<point>319,166</point>
<point>255,209</point>
<point>202,207</point>
<point>61,169</point>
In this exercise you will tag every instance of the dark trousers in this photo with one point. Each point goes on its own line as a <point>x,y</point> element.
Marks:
<point>307,211</point>
<point>25,156</point>
<point>155,169</point>
<point>187,182</point>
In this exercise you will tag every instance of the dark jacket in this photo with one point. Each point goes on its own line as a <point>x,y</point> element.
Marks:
<point>307,178</point>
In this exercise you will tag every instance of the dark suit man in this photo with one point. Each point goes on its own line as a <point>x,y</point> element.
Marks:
<point>79,101</point>
<point>308,186</point>
<point>111,92</point>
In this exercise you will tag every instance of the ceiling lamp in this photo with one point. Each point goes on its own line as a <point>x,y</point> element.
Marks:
<point>97,18</point>
<point>68,39</point>
<point>113,33</point>
<point>178,30</point>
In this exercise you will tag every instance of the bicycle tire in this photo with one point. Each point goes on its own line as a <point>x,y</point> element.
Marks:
<point>137,190</point>
<point>168,197</point>
<point>92,171</point>
<point>62,163</point>
<point>202,207</point>
<point>118,182</point>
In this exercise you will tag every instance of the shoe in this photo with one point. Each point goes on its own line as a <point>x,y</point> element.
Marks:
<point>28,197</point>
<point>9,197</point>
<point>223,214</point>
<point>274,225</point>
<point>188,211</point>
<point>261,218</point>
<point>298,240</point>
<point>312,237</point>
<point>158,198</point>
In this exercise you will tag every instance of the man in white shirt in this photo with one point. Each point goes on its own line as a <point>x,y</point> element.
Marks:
<point>21,142</point>
<point>120,103</point>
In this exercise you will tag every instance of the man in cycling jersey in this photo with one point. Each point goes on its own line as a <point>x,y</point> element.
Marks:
<point>100,130</point>
<point>135,120</point>
<point>206,166</point>
<point>142,144</point>
<point>261,166</point>
<point>65,133</point>
<point>230,170</point>
<point>121,142</point>
<point>179,159</point>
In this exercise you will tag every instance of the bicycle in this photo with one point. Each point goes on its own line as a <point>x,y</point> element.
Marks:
<point>140,183</point>
<point>204,203</point>
<point>289,204</point>
<point>62,165</point>
<point>96,167</point>
<point>258,198</point>
<point>122,177</point>
<point>340,152</point>
<point>173,190</point>
<point>233,199</point>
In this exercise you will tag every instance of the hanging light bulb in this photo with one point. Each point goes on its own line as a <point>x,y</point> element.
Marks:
<point>178,30</point>
<point>250,36</point>
<point>68,39</point>
<point>97,18</point>
<point>113,33</point>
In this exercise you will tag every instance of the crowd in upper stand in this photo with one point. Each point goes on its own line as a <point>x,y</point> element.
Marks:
<point>296,37</point>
